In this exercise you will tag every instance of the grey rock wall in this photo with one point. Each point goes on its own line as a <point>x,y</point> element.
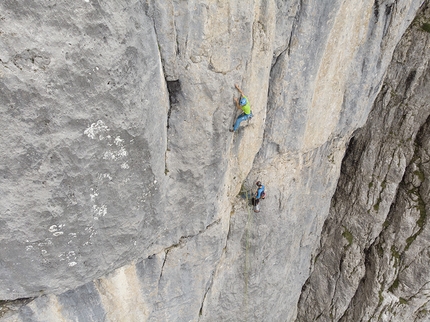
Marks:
<point>81,154</point>
<point>301,171</point>
<point>372,261</point>
<point>124,194</point>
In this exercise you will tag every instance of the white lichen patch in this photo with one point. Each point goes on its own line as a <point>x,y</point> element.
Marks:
<point>118,141</point>
<point>93,196</point>
<point>69,256</point>
<point>53,228</point>
<point>122,153</point>
<point>115,154</point>
<point>71,264</point>
<point>125,166</point>
<point>102,176</point>
<point>91,231</point>
<point>99,211</point>
<point>97,129</point>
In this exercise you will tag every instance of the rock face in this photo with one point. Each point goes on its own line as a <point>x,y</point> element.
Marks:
<point>373,258</point>
<point>81,154</point>
<point>124,195</point>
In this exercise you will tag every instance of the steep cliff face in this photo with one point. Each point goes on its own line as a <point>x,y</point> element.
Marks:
<point>373,258</point>
<point>81,153</point>
<point>122,188</point>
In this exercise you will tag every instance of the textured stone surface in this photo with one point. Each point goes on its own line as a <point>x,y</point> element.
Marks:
<point>373,256</point>
<point>300,172</point>
<point>122,189</point>
<point>81,153</point>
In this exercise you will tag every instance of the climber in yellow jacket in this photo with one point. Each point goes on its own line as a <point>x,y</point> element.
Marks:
<point>242,104</point>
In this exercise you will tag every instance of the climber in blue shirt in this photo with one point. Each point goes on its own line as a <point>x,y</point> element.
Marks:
<point>260,194</point>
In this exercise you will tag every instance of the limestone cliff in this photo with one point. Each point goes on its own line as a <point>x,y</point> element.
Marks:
<point>373,259</point>
<point>123,194</point>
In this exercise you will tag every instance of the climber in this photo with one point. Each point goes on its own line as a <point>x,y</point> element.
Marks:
<point>243,105</point>
<point>260,194</point>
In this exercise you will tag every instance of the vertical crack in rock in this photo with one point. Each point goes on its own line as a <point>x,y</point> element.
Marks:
<point>388,17</point>
<point>336,285</point>
<point>177,50</point>
<point>409,80</point>
<point>294,26</point>
<point>164,262</point>
<point>376,10</point>
<point>216,266</point>
<point>149,12</point>
<point>182,241</point>
<point>174,89</point>
<point>162,15</point>
<point>207,290</point>
<point>287,46</point>
<point>416,187</point>
<point>160,21</point>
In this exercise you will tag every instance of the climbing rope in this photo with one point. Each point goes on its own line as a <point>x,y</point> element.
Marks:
<point>247,261</point>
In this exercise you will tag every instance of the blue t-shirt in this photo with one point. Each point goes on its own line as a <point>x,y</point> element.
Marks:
<point>259,192</point>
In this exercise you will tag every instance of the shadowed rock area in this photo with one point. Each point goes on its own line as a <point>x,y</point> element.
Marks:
<point>124,197</point>
<point>373,258</point>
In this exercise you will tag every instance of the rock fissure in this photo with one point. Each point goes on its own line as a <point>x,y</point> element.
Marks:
<point>183,239</point>
<point>332,306</point>
<point>13,305</point>
<point>294,25</point>
<point>217,266</point>
<point>205,294</point>
<point>389,8</point>
<point>275,61</point>
<point>174,90</point>
<point>162,266</point>
<point>420,291</point>
<point>177,43</point>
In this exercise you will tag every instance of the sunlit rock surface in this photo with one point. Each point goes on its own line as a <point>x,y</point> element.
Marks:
<point>124,195</point>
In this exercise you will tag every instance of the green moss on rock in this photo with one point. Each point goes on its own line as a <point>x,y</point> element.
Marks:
<point>348,236</point>
<point>394,286</point>
<point>425,27</point>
